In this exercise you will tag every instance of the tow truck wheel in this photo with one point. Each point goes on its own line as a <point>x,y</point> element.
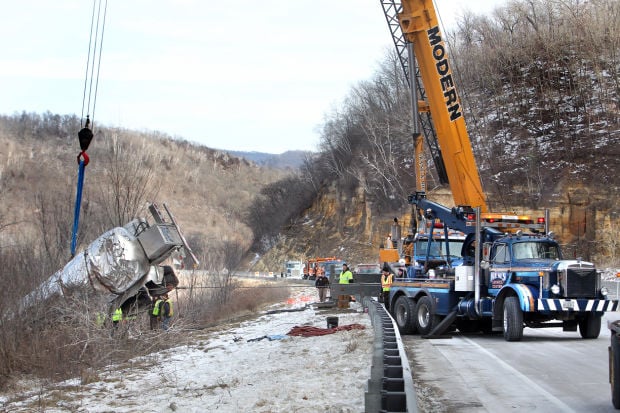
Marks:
<point>403,311</point>
<point>590,326</point>
<point>425,317</point>
<point>513,319</point>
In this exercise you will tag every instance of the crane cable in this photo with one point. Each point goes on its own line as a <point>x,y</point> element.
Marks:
<point>85,135</point>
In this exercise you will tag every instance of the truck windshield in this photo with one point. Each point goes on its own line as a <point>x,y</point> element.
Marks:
<point>439,247</point>
<point>529,250</point>
<point>327,267</point>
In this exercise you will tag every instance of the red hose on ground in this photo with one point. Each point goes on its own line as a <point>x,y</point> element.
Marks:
<point>310,331</point>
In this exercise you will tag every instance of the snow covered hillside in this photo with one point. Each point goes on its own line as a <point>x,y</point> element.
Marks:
<point>249,367</point>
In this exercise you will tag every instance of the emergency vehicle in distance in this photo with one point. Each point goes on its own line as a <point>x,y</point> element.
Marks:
<point>293,268</point>
<point>329,265</point>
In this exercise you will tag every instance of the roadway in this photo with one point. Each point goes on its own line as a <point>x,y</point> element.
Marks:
<point>548,371</point>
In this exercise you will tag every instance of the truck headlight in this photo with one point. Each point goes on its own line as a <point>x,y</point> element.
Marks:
<point>604,291</point>
<point>555,289</point>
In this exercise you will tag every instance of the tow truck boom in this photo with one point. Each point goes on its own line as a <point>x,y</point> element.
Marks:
<point>420,28</point>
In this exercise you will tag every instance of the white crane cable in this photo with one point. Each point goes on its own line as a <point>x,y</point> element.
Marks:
<point>96,50</point>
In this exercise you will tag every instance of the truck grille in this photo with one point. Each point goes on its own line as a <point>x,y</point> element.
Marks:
<point>580,282</point>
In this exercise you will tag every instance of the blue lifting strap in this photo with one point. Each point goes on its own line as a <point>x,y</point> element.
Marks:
<point>78,199</point>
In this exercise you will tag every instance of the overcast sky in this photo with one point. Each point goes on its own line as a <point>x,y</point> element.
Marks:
<point>239,75</point>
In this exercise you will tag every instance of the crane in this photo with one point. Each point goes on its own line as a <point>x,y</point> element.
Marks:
<point>437,116</point>
<point>438,112</point>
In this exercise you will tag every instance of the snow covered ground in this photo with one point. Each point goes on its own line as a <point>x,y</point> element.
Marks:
<point>252,367</point>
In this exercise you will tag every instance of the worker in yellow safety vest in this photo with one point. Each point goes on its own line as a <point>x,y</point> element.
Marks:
<point>346,276</point>
<point>166,312</point>
<point>117,317</point>
<point>154,313</point>
<point>386,283</point>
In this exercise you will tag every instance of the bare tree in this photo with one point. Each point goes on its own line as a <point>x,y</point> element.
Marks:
<point>368,143</point>
<point>131,181</point>
<point>54,225</point>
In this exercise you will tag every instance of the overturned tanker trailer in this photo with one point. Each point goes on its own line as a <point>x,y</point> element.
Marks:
<point>121,266</point>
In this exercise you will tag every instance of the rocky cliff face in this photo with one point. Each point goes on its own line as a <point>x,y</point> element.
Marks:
<point>585,221</point>
<point>336,225</point>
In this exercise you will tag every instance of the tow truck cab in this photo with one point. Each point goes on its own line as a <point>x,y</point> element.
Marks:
<point>438,253</point>
<point>536,260</point>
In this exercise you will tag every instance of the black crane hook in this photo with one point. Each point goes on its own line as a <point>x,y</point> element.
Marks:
<point>85,135</point>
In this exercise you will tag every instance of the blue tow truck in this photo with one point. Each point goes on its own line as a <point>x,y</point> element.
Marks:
<point>503,281</point>
<point>433,247</point>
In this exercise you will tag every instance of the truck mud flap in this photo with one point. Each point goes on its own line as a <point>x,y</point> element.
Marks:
<point>442,327</point>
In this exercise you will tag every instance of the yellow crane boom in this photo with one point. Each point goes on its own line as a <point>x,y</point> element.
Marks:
<point>420,27</point>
